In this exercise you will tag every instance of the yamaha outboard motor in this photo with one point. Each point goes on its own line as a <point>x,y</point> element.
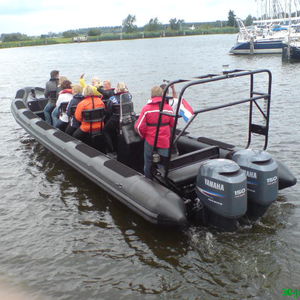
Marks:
<point>262,179</point>
<point>222,189</point>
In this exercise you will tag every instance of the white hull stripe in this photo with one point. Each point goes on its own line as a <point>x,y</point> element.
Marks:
<point>257,51</point>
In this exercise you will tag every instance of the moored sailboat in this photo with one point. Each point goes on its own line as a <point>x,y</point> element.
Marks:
<point>267,34</point>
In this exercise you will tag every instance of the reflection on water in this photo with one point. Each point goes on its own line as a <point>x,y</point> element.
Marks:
<point>63,237</point>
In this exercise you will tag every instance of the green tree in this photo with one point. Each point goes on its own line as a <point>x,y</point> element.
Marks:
<point>94,32</point>
<point>51,34</point>
<point>153,25</point>
<point>249,21</point>
<point>12,37</point>
<point>128,24</point>
<point>176,24</point>
<point>69,33</point>
<point>231,19</point>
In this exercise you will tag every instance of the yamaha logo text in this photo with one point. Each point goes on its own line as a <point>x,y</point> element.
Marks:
<point>251,174</point>
<point>214,185</point>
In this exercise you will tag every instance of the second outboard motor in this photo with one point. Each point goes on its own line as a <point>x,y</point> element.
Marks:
<point>262,179</point>
<point>222,189</point>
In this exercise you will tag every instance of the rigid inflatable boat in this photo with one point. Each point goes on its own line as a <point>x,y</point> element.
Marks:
<point>203,181</point>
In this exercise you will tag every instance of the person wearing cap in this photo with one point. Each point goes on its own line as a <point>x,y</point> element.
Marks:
<point>147,126</point>
<point>51,93</point>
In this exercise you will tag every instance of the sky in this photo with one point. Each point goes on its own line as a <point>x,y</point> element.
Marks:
<point>37,17</point>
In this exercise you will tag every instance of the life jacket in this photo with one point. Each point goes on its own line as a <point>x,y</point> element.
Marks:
<point>89,103</point>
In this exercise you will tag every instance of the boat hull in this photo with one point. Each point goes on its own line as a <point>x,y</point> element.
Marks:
<point>258,47</point>
<point>155,202</point>
<point>150,200</point>
<point>294,55</point>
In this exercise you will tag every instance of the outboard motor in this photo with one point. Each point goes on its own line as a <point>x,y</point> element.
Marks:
<point>262,179</point>
<point>222,189</point>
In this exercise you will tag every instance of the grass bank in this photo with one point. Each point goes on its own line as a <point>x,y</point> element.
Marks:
<point>120,36</point>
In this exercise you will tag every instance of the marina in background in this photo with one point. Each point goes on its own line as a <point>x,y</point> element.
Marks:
<point>278,23</point>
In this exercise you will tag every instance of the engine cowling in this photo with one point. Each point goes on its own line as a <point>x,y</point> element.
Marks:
<point>222,188</point>
<point>262,175</point>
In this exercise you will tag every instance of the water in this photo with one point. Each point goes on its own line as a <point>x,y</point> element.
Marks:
<point>64,238</point>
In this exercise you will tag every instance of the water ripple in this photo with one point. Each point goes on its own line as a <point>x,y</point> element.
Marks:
<point>64,238</point>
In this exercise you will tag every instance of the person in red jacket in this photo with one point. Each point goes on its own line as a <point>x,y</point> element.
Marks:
<point>147,124</point>
<point>90,101</point>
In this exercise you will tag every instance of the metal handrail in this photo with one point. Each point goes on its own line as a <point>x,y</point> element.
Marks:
<point>254,96</point>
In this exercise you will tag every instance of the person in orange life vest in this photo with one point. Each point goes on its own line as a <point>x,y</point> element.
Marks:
<point>147,124</point>
<point>89,102</point>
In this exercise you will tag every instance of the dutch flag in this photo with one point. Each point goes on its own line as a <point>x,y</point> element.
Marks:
<point>185,110</point>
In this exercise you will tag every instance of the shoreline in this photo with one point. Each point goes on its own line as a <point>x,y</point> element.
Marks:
<point>117,37</point>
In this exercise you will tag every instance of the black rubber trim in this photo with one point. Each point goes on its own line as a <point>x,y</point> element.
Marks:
<point>215,143</point>
<point>156,124</point>
<point>20,105</point>
<point>87,150</point>
<point>64,137</point>
<point>194,157</point>
<point>44,125</point>
<point>258,129</point>
<point>39,89</point>
<point>20,94</point>
<point>119,168</point>
<point>30,115</point>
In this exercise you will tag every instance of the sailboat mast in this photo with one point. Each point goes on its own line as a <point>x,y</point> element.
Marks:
<point>289,36</point>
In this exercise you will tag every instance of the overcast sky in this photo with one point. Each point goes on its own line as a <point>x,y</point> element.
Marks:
<point>36,17</point>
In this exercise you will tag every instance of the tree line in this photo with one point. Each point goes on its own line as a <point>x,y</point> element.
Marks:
<point>129,26</point>
<point>232,23</point>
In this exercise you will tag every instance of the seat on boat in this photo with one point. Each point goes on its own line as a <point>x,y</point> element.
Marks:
<point>125,109</point>
<point>63,107</point>
<point>183,169</point>
<point>37,105</point>
<point>130,144</point>
<point>127,120</point>
<point>93,115</point>
<point>97,139</point>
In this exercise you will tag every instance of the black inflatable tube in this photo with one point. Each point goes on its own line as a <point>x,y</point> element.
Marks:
<point>148,199</point>
<point>188,143</point>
